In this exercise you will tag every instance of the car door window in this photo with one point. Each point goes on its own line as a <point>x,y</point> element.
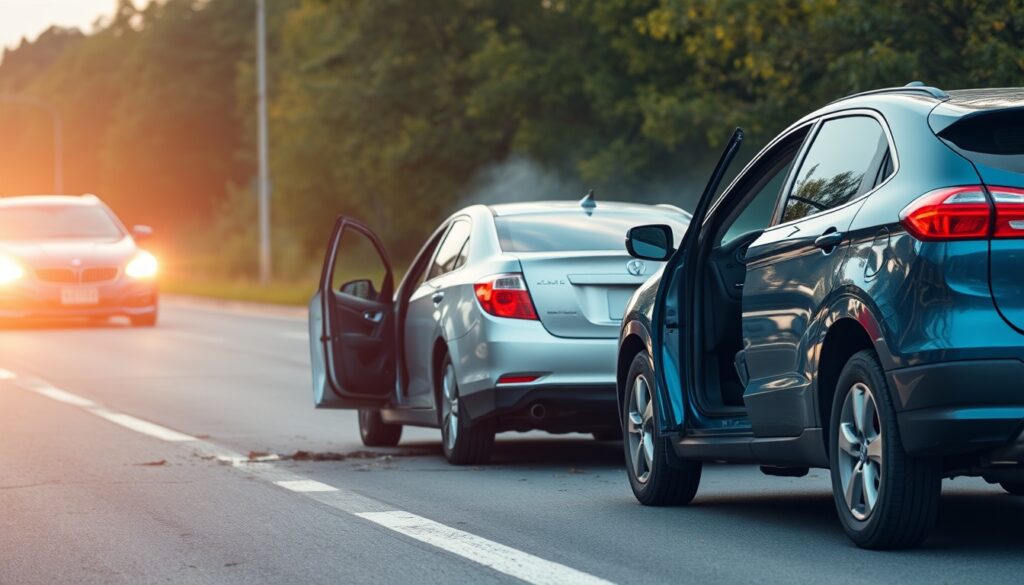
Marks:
<point>841,164</point>
<point>359,268</point>
<point>758,213</point>
<point>448,253</point>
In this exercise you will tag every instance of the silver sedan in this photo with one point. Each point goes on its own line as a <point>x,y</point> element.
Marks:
<point>507,320</point>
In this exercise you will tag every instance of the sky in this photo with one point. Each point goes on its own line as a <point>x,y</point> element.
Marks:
<point>28,18</point>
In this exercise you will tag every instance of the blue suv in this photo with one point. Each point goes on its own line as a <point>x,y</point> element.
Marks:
<point>853,300</point>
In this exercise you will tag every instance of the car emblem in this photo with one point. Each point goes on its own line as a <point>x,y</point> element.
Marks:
<point>76,262</point>
<point>636,267</point>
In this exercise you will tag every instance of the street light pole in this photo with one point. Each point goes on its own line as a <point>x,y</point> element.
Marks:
<point>58,135</point>
<point>264,170</point>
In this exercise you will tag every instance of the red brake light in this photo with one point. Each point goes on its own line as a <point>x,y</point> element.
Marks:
<point>1009,204</point>
<point>505,295</point>
<point>956,213</point>
<point>517,379</point>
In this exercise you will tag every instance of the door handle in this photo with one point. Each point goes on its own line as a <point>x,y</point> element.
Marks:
<point>828,240</point>
<point>373,316</point>
<point>438,297</point>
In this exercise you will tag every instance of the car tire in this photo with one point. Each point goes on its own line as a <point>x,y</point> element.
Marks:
<point>885,498</point>
<point>657,476</point>
<point>463,444</point>
<point>375,432</point>
<point>1015,488</point>
<point>609,435</point>
<point>146,320</point>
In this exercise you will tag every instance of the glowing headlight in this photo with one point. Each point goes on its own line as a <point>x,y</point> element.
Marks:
<point>143,265</point>
<point>10,270</point>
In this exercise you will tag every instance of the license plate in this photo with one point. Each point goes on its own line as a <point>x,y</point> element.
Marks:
<point>618,298</point>
<point>79,296</point>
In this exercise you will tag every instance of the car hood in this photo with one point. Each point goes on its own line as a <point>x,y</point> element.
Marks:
<point>66,252</point>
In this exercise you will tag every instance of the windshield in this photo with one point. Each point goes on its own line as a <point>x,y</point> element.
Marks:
<point>577,232</point>
<point>59,222</point>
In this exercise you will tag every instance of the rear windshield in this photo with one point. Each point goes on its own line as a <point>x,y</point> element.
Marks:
<point>993,139</point>
<point>578,232</point>
<point>57,222</point>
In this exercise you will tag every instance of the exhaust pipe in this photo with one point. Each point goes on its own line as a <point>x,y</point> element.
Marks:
<point>537,411</point>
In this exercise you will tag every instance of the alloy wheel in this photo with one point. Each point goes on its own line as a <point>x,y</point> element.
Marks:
<point>860,451</point>
<point>640,429</point>
<point>450,407</point>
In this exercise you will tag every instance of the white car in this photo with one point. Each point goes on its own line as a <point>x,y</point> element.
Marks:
<point>507,320</point>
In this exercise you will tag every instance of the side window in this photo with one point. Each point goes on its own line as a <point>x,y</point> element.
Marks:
<point>841,164</point>
<point>359,268</point>
<point>759,212</point>
<point>448,252</point>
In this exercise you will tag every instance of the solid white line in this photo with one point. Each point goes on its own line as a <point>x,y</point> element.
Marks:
<point>64,396</point>
<point>305,485</point>
<point>499,557</point>
<point>142,426</point>
<point>7,375</point>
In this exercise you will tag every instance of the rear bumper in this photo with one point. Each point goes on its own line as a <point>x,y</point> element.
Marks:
<point>959,407</point>
<point>35,301</point>
<point>561,409</point>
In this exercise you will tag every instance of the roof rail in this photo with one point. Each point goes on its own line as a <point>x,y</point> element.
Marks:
<point>912,87</point>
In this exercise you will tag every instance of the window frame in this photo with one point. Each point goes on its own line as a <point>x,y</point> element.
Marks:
<point>802,156</point>
<point>427,278</point>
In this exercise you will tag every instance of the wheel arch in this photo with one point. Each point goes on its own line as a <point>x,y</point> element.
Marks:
<point>437,354</point>
<point>634,339</point>
<point>850,327</point>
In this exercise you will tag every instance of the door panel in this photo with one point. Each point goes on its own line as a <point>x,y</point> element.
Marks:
<point>352,322</point>
<point>792,270</point>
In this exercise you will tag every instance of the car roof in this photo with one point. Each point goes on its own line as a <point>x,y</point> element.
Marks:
<point>574,207</point>
<point>26,200</point>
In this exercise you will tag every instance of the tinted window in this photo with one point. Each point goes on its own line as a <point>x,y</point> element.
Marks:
<point>577,232</point>
<point>759,212</point>
<point>44,222</point>
<point>448,252</point>
<point>839,166</point>
<point>992,139</point>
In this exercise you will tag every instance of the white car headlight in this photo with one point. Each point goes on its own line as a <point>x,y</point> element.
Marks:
<point>10,270</point>
<point>143,265</point>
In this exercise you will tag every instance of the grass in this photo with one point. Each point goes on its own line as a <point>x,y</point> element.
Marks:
<point>294,293</point>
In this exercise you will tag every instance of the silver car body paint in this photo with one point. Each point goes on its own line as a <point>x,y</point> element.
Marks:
<point>576,295</point>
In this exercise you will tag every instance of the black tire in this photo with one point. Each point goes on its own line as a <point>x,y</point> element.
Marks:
<point>1015,488</point>
<point>146,320</point>
<point>609,435</point>
<point>470,444</point>
<point>668,481</point>
<point>375,432</point>
<point>907,494</point>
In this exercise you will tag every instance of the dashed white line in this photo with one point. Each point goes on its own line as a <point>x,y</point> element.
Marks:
<point>499,557</point>
<point>305,485</point>
<point>63,396</point>
<point>142,426</point>
<point>494,555</point>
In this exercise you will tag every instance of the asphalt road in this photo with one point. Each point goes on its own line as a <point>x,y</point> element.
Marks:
<point>125,458</point>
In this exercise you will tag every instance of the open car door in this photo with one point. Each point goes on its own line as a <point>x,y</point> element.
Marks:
<point>351,322</point>
<point>674,313</point>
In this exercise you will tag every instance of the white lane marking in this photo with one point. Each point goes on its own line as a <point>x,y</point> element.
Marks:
<point>142,426</point>
<point>64,396</point>
<point>7,375</point>
<point>496,556</point>
<point>499,557</point>
<point>305,485</point>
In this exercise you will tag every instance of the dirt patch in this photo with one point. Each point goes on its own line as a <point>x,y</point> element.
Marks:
<point>157,463</point>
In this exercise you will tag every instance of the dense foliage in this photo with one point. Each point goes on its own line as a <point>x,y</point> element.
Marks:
<point>398,111</point>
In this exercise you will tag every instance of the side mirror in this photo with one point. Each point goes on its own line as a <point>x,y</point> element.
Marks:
<point>650,242</point>
<point>362,288</point>
<point>141,232</point>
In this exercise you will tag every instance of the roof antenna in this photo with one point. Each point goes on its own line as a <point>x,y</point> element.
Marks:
<point>588,203</point>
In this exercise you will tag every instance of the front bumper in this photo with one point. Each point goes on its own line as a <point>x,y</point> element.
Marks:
<point>960,407</point>
<point>41,301</point>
